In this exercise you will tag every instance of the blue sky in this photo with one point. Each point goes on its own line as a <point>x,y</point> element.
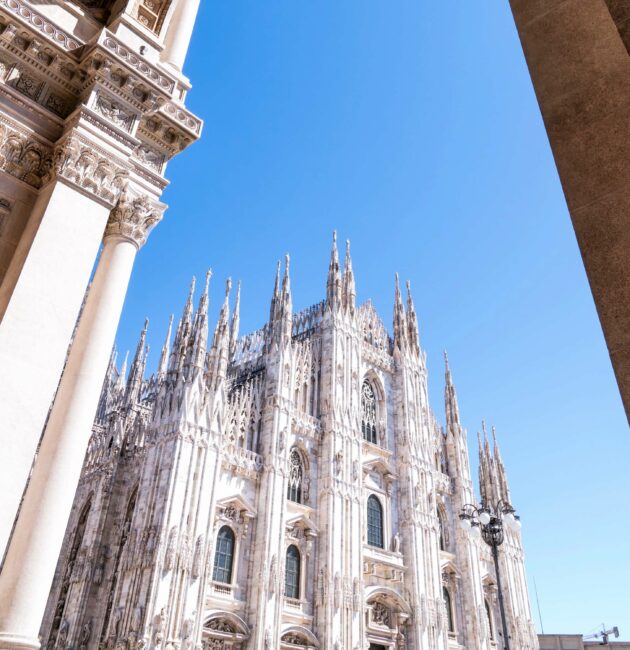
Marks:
<point>412,128</point>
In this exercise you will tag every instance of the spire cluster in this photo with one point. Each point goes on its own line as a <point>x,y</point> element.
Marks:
<point>406,335</point>
<point>341,290</point>
<point>493,483</point>
<point>191,353</point>
<point>281,310</point>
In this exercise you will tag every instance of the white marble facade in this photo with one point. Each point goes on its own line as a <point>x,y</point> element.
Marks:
<point>291,488</point>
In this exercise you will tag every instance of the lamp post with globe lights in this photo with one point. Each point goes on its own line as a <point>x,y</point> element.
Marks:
<point>489,522</point>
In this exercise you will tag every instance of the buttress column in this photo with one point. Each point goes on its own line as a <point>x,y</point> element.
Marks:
<point>32,554</point>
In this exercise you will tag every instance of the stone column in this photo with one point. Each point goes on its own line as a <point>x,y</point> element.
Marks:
<point>34,548</point>
<point>180,32</point>
<point>40,300</point>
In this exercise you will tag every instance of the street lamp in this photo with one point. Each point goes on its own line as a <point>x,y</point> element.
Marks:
<point>488,522</point>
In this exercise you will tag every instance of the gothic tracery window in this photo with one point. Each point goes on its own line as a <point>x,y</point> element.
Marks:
<point>224,556</point>
<point>368,412</point>
<point>296,477</point>
<point>292,573</point>
<point>449,609</point>
<point>374,522</point>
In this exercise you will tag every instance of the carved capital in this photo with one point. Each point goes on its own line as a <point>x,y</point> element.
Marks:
<point>133,218</point>
<point>22,156</point>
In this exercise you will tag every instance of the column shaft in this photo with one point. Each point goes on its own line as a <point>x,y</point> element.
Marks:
<point>180,32</point>
<point>40,299</point>
<point>32,555</point>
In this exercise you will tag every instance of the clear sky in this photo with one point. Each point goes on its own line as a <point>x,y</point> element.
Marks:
<point>412,128</point>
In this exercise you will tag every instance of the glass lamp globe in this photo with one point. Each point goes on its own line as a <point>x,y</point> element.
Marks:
<point>509,520</point>
<point>475,532</point>
<point>484,517</point>
<point>465,523</point>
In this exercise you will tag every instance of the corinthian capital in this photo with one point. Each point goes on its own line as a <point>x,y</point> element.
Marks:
<point>133,218</point>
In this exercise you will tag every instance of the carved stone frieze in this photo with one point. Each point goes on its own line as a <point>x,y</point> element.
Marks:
<point>80,163</point>
<point>150,157</point>
<point>114,111</point>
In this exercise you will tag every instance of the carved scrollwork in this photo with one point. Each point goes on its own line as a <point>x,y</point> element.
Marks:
<point>133,218</point>
<point>81,164</point>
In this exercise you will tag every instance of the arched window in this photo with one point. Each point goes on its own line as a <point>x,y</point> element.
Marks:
<point>292,573</point>
<point>368,413</point>
<point>296,476</point>
<point>490,626</point>
<point>449,609</point>
<point>374,522</point>
<point>224,556</point>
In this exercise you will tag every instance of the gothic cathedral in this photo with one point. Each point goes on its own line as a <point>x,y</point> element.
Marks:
<point>287,489</point>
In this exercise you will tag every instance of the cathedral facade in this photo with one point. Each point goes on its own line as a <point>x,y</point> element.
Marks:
<point>291,488</point>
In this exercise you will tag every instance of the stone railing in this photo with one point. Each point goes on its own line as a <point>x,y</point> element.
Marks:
<point>242,461</point>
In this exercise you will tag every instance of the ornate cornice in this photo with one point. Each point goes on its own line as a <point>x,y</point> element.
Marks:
<point>26,15</point>
<point>134,218</point>
<point>128,98</point>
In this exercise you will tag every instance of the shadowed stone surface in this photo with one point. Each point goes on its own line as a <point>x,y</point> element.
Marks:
<point>578,59</point>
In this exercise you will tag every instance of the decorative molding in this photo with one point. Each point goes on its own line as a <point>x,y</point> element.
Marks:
<point>161,80</point>
<point>80,163</point>
<point>27,15</point>
<point>182,116</point>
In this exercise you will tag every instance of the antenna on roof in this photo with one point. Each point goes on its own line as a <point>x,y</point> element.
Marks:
<point>604,634</point>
